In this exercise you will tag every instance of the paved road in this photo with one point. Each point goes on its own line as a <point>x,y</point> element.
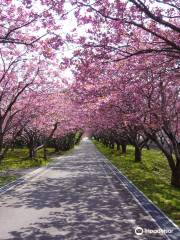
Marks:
<point>75,199</point>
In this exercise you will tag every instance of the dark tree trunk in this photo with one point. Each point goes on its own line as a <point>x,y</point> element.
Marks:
<point>175,177</point>
<point>56,149</point>
<point>56,146</point>
<point>3,153</point>
<point>112,145</point>
<point>138,155</point>
<point>32,153</point>
<point>1,150</point>
<point>175,167</point>
<point>1,157</point>
<point>147,147</point>
<point>12,147</point>
<point>123,145</point>
<point>106,144</point>
<point>45,153</point>
<point>118,148</point>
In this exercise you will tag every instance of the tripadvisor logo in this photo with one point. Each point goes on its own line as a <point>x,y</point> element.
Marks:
<point>140,231</point>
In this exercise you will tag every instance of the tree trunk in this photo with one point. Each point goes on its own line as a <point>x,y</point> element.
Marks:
<point>112,145</point>
<point>32,153</point>
<point>1,158</point>
<point>12,148</point>
<point>137,154</point>
<point>106,144</point>
<point>123,145</point>
<point>1,150</point>
<point>147,146</point>
<point>56,146</point>
<point>3,153</point>
<point>45,153</point>
<point>175,177</point>
<point>118,148</point>
<point>56,149</point>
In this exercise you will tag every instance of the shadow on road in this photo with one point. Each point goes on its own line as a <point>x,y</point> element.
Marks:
<point>76,199</point>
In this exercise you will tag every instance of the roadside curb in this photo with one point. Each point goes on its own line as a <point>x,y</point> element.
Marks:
<point>163,221</point>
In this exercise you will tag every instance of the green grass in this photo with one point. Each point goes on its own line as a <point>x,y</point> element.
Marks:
<point>18,160</point>
<point>151,176</point>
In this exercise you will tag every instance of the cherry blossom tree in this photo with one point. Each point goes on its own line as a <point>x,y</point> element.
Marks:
<point>121,29</point>
<point>137,98</point>
<point>126,75</point>
<point>15,83</point>
<point>29,24</point>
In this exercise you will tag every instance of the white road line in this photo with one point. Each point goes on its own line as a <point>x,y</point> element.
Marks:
<point>32,180</point>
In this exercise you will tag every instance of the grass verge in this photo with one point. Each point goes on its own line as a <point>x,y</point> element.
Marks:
<point>16,161</point>
<point>151,176</point>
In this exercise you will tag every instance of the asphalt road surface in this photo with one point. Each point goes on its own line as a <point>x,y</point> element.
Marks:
<point>75,198</point>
